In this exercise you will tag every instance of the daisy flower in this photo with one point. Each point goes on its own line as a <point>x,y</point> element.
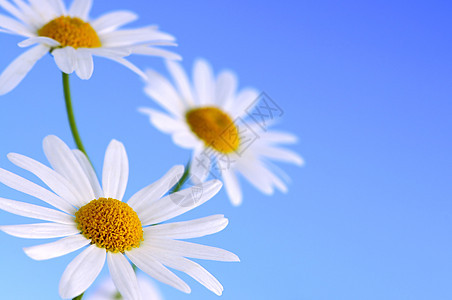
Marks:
<point>95,217</point>
<point>107,290</point>
<point>209,117</point>
<point>72,38</point>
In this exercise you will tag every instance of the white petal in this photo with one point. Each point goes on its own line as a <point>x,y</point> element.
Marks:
<point>180,202</point>
<point>89,172</point>
<point>146,196</point>
<point>57,6</point>
<point>126,64</point>
<point>148,264</point>
<point>280,137</point>
<point>64,162</point>
<point>232,186</point>
<point>40,230</point>
<point>186,139</point>
<point>109,52</point>
<point>14,27</point>
<point>17,70</point>
<point>182,82</point>
<point>44,10</point>
<point>120,38</point>
<point>256,178</point>
<point>110,21</point>
<point>261,177</point>
<point>25,186</point>
<point>281,154</point>
<point>65,58</point>
<point>85,65</point>
<point>116,171</point>
<point>226,87</point>
<point>154,44</point>
<point>35,211</point>
<point>244,103</point>
<point>56,249</point>
<point>193,269</point>
<point>161,90</point>
<point>149,290</point>
<point>12,9</point>
<point>204,82</point>
<point>188,229</point>
<point>107,290</point>
<point>80,8</point>
<point>192,250</point>
<point>200,165</point>
<point>51,178</point>
<point>33,19</point>
<point>82,272</point>
<point>279,183</point>
<point>39,40</point>
<point>162,121</point>
<point>152,51</point>
<point>123,276</point>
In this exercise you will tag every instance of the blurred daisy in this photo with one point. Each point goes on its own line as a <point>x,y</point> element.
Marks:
<point>107,290</point>
<point>89,215</point>
<point>72,38</point>
<point>210,117</point>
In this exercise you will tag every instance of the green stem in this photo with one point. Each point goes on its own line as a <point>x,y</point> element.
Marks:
<point>72,124</point>
<point>183,179</point>
<point>79,297</point>
<point>70,114</point>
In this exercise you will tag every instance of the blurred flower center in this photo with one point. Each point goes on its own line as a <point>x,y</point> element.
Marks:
<point>215,128</point>
<point>110,224</point>
<point>73,32</point>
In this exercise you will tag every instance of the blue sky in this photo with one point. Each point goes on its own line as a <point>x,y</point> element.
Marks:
<point>367,88</point>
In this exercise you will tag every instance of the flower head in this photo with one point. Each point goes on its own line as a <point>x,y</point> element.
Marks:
<point>72,38</point>
<point>95,217</point>
<point>210,117</point>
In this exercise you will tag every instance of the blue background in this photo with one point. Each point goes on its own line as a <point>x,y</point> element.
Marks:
<point>367,87</point>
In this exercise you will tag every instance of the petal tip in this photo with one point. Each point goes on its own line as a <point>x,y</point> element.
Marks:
<point>217,182</point>
<point>179,169</point>
<point>28,251</point>
<point>144,110</point>
<point>116,143</point>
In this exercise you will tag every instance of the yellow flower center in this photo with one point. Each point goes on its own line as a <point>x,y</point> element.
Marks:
<point>215,128</point>
<point>110,224</point>
<point>73,32</point>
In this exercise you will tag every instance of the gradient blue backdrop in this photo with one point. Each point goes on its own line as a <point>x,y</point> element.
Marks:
<point>367,87</point>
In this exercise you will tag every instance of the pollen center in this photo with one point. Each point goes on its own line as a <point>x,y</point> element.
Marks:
<point>110,224</point>
<point>215,128</point>
<point>69,31</point>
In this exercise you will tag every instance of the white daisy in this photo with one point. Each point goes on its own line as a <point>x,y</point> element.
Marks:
<point>112,229</point>
<point>72,38</point>
<point>210,118</point>
<point>108,291</point>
